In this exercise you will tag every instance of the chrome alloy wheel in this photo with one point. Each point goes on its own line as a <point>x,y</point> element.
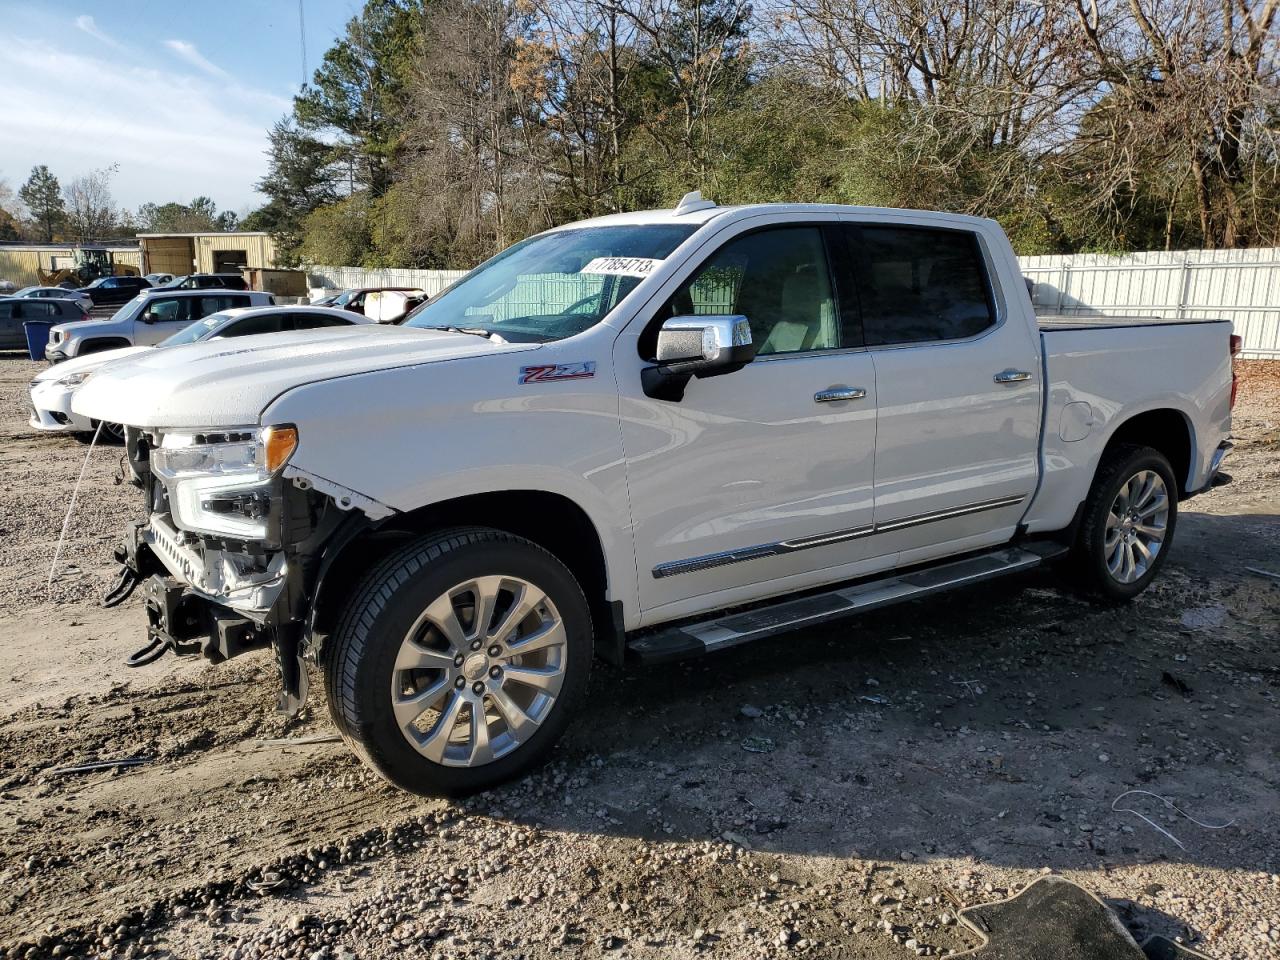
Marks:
<point>1136,526</point>
<point>479,671</point>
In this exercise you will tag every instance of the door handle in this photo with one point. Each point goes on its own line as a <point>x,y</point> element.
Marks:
<point>832,394</point>
<point>1011,376</point>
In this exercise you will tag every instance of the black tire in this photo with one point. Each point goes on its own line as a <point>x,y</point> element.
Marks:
<point>361,653</point>
<point>1119,464</point>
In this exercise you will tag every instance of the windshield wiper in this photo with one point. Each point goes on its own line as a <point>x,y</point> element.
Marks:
<point>474,331</point>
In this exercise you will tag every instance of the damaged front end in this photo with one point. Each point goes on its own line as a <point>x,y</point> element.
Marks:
<point>227,554</point>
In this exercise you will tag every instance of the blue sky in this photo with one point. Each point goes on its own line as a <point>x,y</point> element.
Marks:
<point>179,94</point>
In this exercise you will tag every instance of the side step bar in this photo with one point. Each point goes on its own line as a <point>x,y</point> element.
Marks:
<point>729,630</point>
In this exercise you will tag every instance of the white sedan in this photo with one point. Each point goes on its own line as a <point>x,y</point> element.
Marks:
<point>52,390</point>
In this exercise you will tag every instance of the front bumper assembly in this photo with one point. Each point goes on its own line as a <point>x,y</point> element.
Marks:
<point>208,602</point>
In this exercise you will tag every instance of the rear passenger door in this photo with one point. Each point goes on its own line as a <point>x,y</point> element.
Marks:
<point>958,384</point>
<point>12,336</point>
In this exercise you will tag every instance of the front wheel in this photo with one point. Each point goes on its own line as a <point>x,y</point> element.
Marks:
<point>1129,521</point>
<point>457,663</point>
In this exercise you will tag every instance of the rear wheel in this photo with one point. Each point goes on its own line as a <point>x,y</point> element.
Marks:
<point>458,662</point>
<point>1128,523</point>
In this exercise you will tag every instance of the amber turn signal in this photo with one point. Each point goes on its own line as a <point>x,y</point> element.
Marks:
<point>279,444</point>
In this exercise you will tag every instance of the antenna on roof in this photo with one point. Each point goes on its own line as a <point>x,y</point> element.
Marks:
<point>692,201</point>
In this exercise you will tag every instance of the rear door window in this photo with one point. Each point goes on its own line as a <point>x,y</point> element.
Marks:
<point>216,304</point>
<point>919,285</point>
<point>313,321</point>
<point>262,323</point>
<point>34,310</point>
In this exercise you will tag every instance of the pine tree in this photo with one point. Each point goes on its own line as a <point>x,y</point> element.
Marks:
<point>42,195</point>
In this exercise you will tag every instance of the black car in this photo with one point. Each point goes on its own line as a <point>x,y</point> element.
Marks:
<point>208,281</point>
<point>113,291</point>
<point>14,311</point>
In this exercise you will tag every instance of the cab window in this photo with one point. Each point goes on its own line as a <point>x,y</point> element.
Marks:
<point>168,311</point>
<point>918,285</point>
<point>779,279</point>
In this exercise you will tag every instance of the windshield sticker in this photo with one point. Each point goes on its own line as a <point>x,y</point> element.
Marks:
<point>622,266</point>
<point>545,373</point>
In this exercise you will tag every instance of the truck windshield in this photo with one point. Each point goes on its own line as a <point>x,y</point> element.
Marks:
<point>553,285</point>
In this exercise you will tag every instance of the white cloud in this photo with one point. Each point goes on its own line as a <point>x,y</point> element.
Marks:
<point>175,135</point>
<point>189,53</point>
<point>89,25</point>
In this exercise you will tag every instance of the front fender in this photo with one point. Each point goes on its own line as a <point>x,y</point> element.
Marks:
<point>411,437</point>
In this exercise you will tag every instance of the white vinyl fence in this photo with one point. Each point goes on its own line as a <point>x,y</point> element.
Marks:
<point>333,279</point>
<point>1242,286</point>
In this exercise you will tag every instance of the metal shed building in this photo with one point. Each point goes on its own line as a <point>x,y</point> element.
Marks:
<point>20,262</point>
<point>179,253</point>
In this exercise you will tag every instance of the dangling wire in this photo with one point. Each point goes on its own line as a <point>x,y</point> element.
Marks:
<point>1170,804</point>
<point>66,521</point>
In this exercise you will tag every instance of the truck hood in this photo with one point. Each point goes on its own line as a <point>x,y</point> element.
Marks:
<point>73,328</point>
<point>89,362</point>
<point>228,383</point>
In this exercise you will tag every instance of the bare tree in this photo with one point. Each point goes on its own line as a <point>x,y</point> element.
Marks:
<point>1194,92</point>
<point>702,51</point>
<point>91,211</point>
<point>479,166</point>
<point>589,58</point>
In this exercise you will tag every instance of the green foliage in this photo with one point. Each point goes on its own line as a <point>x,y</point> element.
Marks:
<point>358,87</point>
<point>42,196</point>
<point>199,216</point>
<point>338,233</point>
<point>435,133</point>
<point>300,178</point>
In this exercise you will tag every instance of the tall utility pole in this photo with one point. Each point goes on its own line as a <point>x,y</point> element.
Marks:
<point>302,37</point>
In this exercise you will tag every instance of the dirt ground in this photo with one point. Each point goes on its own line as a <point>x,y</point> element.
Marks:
<point>839,792</point>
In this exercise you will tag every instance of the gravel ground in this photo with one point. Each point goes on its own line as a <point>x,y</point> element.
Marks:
<point>839,792</point>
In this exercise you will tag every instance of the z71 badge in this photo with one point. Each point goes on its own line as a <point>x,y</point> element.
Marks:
<point>583,370</point>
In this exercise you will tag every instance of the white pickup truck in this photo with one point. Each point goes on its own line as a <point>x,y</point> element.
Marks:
<point>641,437</point>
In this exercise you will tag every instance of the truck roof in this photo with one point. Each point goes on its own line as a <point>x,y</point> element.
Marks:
<point>700,212</point>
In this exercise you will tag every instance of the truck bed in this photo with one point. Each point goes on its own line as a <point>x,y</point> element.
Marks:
<point>1099,369</point>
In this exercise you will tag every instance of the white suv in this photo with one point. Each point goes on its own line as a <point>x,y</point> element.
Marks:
<point>148,318</point>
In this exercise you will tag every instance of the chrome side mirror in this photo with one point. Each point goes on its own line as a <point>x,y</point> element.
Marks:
<point>697,347</point>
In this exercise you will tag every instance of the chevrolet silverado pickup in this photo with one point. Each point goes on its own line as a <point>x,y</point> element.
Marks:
<point>638,438</point>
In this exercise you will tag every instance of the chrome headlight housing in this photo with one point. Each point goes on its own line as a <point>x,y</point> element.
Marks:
<point>220,481</point>
<point>74,379</point>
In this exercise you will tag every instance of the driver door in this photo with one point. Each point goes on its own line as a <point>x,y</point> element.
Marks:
<point>162,317</point>
<point>759,481</point>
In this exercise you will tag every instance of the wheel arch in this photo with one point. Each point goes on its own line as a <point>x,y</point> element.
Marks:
<point>1166,429</point>
<point>551,520</point>
<point>99,344</point>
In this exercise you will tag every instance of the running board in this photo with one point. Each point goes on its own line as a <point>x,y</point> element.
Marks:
<point>729,630</point>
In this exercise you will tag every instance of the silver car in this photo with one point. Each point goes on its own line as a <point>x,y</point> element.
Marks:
<point>54,293</point>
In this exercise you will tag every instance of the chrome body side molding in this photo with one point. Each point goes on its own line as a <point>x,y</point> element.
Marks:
<point>693,564</point>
